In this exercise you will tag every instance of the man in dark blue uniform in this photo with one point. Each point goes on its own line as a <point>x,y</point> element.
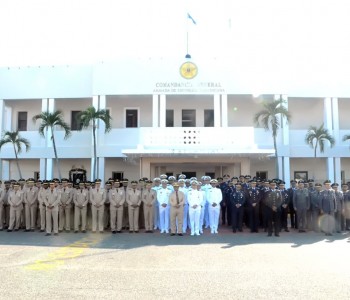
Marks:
<point>224,184</point>
<point>253,203</point>
<point>292,212</point>
<point>237,200</point>
<point>315,198</point>
<point>328,206</point>
<point>284,205</point>
<point>346,195</point>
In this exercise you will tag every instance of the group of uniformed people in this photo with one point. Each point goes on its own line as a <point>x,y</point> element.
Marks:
<point>174,205</point>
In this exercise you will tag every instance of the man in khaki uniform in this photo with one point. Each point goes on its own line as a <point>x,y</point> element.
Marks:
<point>31,204</point>
<point>52,201</point>
<point>97,199</point>
<point>2,194</point>
<point>6,205</point>
<point>149,197</point>
<point>125,211</point>
<point>117,200</point>
<point>107,213</point>
<point>81,200</point>
<point>15,200</point>
<point>65,206</point>
<point>133,198</point>
<point>42,209</point>
<point>177,201</point>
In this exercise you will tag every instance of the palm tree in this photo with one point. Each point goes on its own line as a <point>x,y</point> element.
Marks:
<point>14,138</point>
<point>346,137</point>
<point>49,121</point>
<point>92,115</point>
<point>318,136</point>
<point>271,118</point>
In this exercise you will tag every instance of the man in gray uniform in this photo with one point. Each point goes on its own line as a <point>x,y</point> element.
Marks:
<point>301,203</point>
<point>65,206</point>
<point>328,206</point>
<point>31,204</point>
<point>340,208</point>
<point>6,209</point>
<point>315,198</point>
<point>42,209</point>
<point>133,198</point>
<point>149,197</point>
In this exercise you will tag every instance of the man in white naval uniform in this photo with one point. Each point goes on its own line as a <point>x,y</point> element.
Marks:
<point>163,195</point>
<point>204,219</point>
<point>214,197</point>
<point>195,199</point>
<point>156,187</point>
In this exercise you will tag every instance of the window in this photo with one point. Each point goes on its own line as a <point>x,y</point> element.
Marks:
<point>209,118</point>
<point>169,174</point>
<point>75,123</point>
<point>169,118</point>
<point>188,118</point>
<point>22,121</point>
<point>211,174</point>
<point>189,174</point>
<point>37,175</point>
<point>131,118</point>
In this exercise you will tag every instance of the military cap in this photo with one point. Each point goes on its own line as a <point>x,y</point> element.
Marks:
<point>98,180</point>
<point>108,183</point>
<point>111,179</point>
<point>213,181</point>
<point>241,176</point>
<point>141,180</point>
<point>182,176</point>
<point>281,182</point>
<point>334,184</point>
<point>7,182</point>
<point>194,182</point>
<point>181,180</point>
<point>45,181</point>
<point>30,180</point>
<point>272,182</point>
<point>327,182</point>
<point>238,183</point>
<point>219,178</point>
<point>234,177</point>
<point>171,178</point>
<point>21,180</point>
<point>163,176</point>
<point>149,181</point>
<point>199,183</point>
<point>247,176</point>
<point>344,184</point>
<point>116,181</point>
<point>39,181</point>
<point>64,180</point>
<point>164,181</point>
<point>133,182</point>
<point>301,181</point>
<point>188,180</point>
<point>82,183</point>
<point>310,180</point>
<point>55,180</point>
<point>125,180</point>
<point>175,184</point>
<point>293,181</point>
<point>226,175</point>
<point>16,183</point>
<point>318,184</point>
<point>193,178</point>
<point>52,182</point>
<point>157,179</point>
<point>207,178</point>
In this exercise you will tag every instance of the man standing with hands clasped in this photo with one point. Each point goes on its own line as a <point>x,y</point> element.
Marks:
<point>177,200</point>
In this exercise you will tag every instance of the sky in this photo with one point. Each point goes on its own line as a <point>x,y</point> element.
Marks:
<point>281,33</point>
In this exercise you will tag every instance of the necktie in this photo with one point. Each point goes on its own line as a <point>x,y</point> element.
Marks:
<point>177,198</point>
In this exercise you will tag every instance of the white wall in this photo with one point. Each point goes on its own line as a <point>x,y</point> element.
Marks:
<point>263,165</point>
<point>344,114</point>
<point>305,112</point>
<point>28,167</point>
<point>129,166</point>
<point>316,167</point>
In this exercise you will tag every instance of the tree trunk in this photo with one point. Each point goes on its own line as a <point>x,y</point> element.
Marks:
<point>95,154</point>
<point>315,149</point>
<point>56,157</point>
<point>19,170</point>
<point>276,155</point>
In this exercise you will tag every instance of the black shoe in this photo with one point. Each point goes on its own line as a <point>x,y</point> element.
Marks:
<point>55,234</point>
<point>119,231</point>
<point>1,229</point>
<point>300,231</point>
<point>240,230</point>
<point>276,234</point>
<point>136,231</point>
<point>234,231</point>
<point>67,231</point>
<point>60,230</point>
<point>151,231</point>
<point>101,232</point>
<point>270,234</point>
<point>131,231</point>
<point>286,230</point>
<point>26,230</point>
<point>180,234</point>
<point>32,230</point>
<point>75,231</point>
<point>84,231</point>
<point>42,230</point>
<point>9,230</point>
<point>16,229</point>
<point>172,234</point>
<point>47,234</point>
<point>114,232</point>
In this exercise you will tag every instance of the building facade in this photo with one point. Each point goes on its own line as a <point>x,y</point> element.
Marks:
<point>165,123</point>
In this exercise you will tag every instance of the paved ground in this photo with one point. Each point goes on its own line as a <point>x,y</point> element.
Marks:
<point>154,266</point>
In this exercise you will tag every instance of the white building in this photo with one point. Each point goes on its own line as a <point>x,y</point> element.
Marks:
<point>164,123</point>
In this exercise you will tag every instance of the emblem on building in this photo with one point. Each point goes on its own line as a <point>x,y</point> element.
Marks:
<point>188,70</point>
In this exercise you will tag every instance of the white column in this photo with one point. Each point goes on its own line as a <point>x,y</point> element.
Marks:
<point>155,111</point>
<point>224,117</point>
<point>280,167</point>
<point>5,170</point>
<point>42,168</point>
<point>217,111</point>
<point>330,169</point>
<point>286,170</point>
<point>2,114</point>
<point>95,103</point>
<point>49,106</point>
<point>101,168</point>
<point>162,111</point>
<point>327,112</point>
<point>337,170</point>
